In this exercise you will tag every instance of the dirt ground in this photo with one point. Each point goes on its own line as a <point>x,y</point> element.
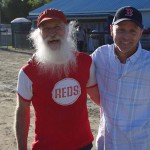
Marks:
<point>10,63</point>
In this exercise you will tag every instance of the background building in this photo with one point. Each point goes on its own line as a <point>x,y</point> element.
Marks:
<point>96,14</point>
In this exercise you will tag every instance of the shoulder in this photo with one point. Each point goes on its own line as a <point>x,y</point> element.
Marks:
<point>145,54</point>
<point>102,51</point>
<point>81,55</point>
<point>83,58</point>
<point>145,51</point>
<point>31,64</point>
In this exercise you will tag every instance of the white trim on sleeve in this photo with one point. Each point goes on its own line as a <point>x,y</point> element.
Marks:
<point>24,85</point>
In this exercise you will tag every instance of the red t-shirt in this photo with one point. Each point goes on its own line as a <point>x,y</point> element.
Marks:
<point>60,104</point>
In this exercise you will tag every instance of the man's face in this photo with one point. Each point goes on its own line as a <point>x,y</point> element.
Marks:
<point>126,36</point>
<point>52,32</point>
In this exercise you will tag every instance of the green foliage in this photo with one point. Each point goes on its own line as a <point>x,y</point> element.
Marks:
<point>15,9</point>
<point>11,9</point>
<point>37,3</point>
<point>48,1</point>
<point>3,3</point>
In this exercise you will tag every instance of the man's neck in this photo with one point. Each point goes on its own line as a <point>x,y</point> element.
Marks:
<point>124,56</point>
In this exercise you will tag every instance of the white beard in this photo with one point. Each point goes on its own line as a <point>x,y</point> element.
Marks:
<point>59,59</point>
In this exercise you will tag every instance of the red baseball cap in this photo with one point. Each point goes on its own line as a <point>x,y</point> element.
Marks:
<point>51,14</point>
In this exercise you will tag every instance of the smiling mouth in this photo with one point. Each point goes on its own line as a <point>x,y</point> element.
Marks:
<point>53,42</point>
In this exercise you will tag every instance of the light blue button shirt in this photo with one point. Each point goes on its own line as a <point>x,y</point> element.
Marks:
<point>125,99</point>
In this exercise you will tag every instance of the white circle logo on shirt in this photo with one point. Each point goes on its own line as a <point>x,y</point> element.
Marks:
<point>66,91</point>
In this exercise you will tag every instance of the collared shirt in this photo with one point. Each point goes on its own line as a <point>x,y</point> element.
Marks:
<point>125,99</point>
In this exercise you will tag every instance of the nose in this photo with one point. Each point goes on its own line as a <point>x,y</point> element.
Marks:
<point>126,35</point>
<point>52,31</point>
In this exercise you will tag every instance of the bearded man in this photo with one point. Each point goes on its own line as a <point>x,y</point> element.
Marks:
<point>56,81</point>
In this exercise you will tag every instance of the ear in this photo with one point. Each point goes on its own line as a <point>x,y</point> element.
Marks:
<point>111,30</point>
<point>141,32</point>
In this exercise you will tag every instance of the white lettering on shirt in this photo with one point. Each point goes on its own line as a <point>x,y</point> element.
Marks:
<point>66,91</point>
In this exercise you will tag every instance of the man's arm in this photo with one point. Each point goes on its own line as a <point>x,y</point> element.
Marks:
<point>94,94</point>
<point>22,122</point>
<point>92,88</point>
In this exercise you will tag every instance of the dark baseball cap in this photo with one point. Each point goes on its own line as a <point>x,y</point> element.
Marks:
<point>51,14</point>
<point>128,13</point>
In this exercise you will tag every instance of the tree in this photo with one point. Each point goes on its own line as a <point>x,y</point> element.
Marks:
<point>3,4</point>
<point>37,3</point>
<point>11,9</point>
